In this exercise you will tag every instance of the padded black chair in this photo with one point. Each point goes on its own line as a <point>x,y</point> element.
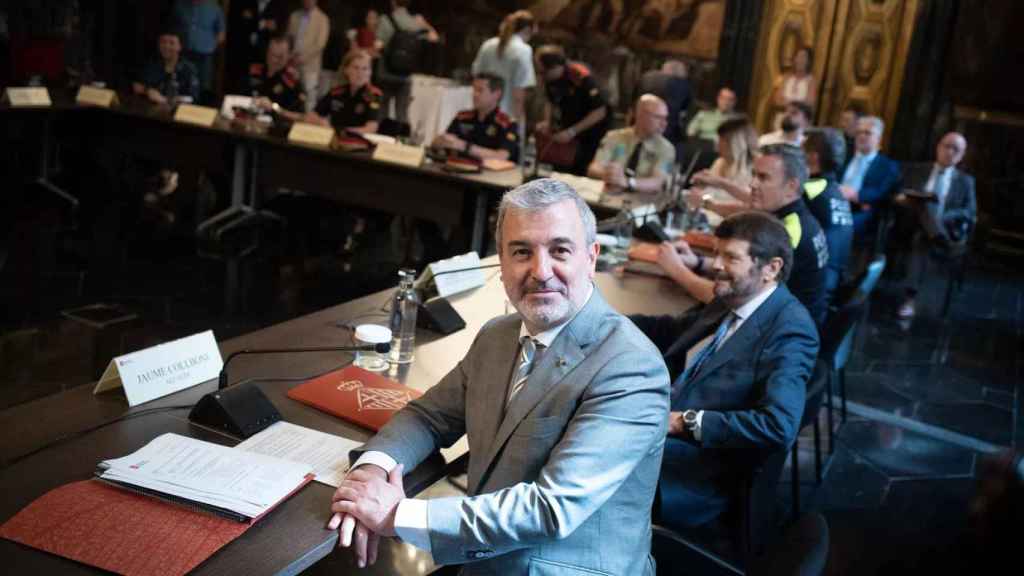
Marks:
<point>802,551</point>
<point>812,406</point>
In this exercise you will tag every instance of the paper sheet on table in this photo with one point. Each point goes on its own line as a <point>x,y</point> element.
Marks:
<point>326,453</point>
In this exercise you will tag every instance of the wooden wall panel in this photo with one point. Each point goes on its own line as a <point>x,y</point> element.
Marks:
<point>860,49</point>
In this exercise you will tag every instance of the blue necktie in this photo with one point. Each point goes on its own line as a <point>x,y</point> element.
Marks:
<point>700,357</point>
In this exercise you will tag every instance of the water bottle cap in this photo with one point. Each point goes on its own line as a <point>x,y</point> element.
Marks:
<point>373,333</point>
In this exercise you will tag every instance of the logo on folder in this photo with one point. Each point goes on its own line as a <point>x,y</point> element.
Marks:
<point>361,397</point>
<point>369,398</point>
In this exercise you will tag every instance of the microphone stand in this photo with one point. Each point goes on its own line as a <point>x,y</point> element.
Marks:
<point>244,410</point>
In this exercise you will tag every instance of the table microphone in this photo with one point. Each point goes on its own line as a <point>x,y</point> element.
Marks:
<point>437,314</point>
<point>244,410</point>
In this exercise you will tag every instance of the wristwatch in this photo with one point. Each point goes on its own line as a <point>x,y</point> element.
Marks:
<point>690,420</point>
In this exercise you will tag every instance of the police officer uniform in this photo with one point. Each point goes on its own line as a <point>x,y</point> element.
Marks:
<point>496,131</point>
<point>833,213</point>
<point>184,81</point>
<point>644,157</point>
<point>573,96</point>
<point>284,87</point>
<point>348,110</point>
<point>810,257</point>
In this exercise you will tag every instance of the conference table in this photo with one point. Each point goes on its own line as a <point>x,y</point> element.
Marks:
<point>260,159</point>
<point>60,438</point>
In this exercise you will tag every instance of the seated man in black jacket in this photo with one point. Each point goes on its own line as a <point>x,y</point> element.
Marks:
<point>739,369</point>
<point>824,149</point>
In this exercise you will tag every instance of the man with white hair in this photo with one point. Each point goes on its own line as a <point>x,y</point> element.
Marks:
<point>870,178</point>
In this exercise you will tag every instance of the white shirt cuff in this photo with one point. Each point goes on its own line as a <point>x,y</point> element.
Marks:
<point>411,523</point>
<point>696,429</point>
<point>377,459</point>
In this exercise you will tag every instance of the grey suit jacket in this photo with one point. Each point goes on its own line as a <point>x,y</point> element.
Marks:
<point>562,482</point>
<point>960,198</point>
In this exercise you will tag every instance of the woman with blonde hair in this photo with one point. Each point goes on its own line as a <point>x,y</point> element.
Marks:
<point>355,103</point>
<point>731,172</point>
<point>510,57</point>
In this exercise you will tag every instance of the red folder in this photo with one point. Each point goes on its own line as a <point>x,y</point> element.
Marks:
<point>117,530</point>
<point>356,395</point>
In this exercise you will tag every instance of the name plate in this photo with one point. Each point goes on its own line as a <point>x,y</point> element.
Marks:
<point>399,154</point>
<point>198,115</point>
<point>163,369</point>
<point>28,96</point>
<point>93,96</point>
<point>311,134</point>
<point>448,281</point>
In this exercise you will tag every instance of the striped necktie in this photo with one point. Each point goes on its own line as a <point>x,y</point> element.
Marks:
<point>527,351</point>
<point>700,357</point>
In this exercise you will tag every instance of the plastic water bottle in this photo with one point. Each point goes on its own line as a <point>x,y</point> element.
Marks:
<point>529,156</point>
<point>403,318</point>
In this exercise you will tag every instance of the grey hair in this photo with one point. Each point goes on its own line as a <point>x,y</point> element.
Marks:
<point>539,194</point>
<point>878,122</point>
<point>793,163</point>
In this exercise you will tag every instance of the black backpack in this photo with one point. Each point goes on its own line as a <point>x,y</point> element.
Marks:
<point>403,52</point>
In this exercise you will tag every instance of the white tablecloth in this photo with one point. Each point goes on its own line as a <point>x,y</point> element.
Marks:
<point>434,102</point>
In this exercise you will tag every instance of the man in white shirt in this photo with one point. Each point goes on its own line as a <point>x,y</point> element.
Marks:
<point>739,369</point>
<point>797,118</point>
<point>564,406</point>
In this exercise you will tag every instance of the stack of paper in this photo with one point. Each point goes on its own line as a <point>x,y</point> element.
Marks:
<point>218,479</point>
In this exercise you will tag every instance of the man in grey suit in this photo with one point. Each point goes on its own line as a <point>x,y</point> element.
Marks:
<point>936,214</point>
<point>565,407</point>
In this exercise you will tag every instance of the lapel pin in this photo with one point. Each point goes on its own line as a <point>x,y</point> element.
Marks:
<point>561,362</point>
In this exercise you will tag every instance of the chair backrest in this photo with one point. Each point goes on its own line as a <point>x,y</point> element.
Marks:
<point>867,281</point>
<point>837,336</point>
<point>815,392</point>
<point>803,550</point>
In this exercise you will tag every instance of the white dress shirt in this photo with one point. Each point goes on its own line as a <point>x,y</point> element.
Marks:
<point>854,175</point>
<point>741,314</point>
<point>938,184</point>
<point>411,522</point>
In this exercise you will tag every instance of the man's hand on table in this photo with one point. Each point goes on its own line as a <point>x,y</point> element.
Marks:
<point>364,509</point>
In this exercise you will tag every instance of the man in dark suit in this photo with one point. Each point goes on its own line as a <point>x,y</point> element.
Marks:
<point>739,369</point>
<point>936,215</point>
<point>870,179</point>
